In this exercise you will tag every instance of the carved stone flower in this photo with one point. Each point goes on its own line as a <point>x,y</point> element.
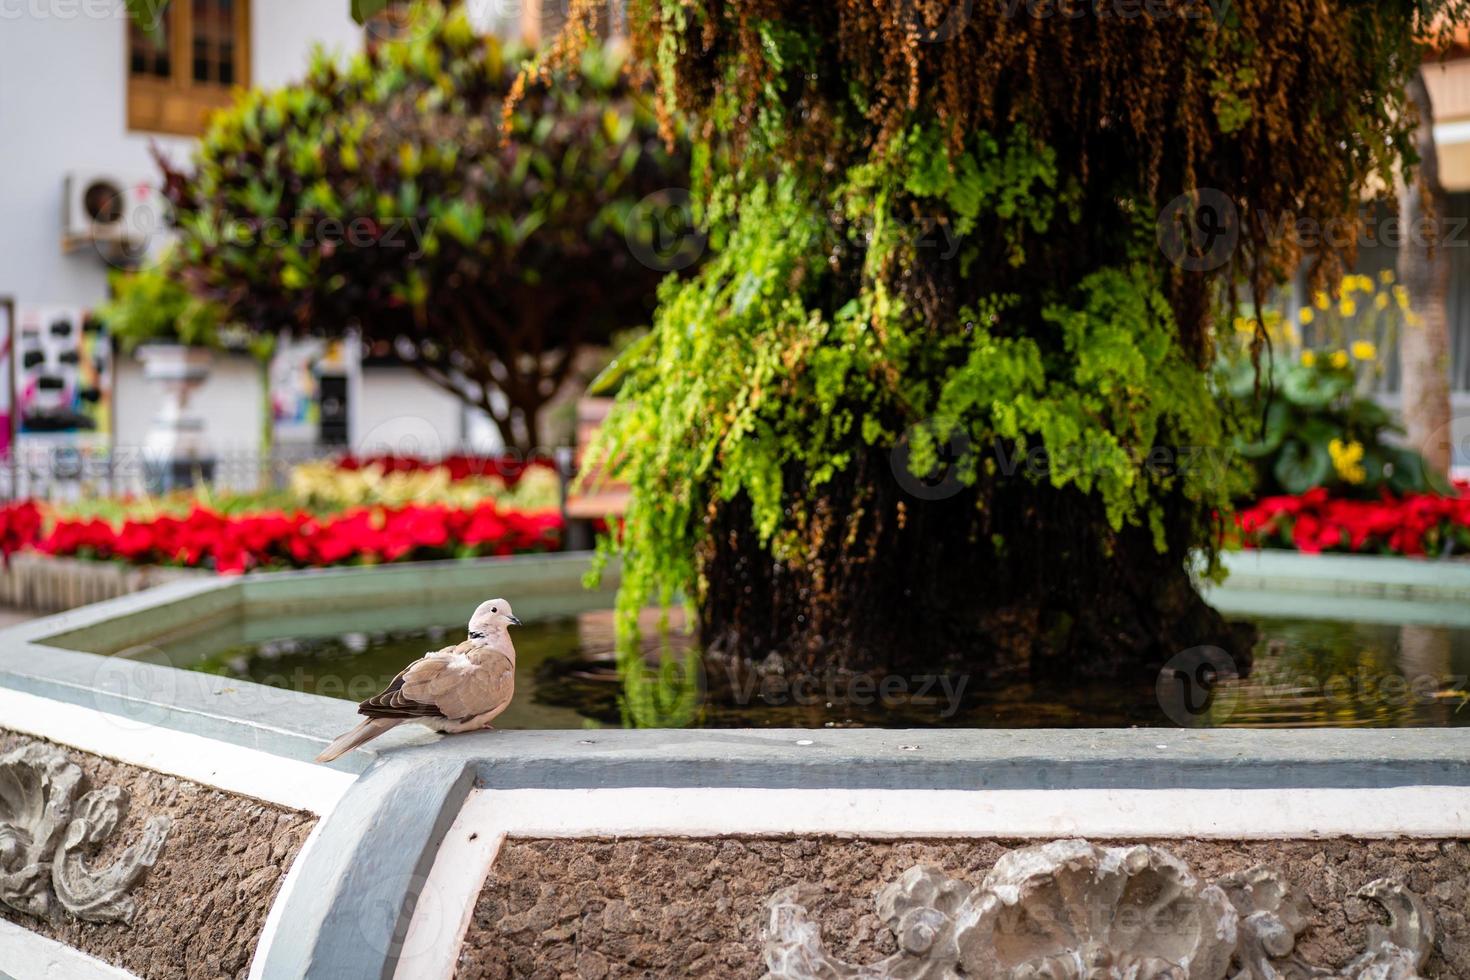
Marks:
<point>48,825</point>
<point>13,845</point>
<point>1272,916</point>
<point>1069,910</point>
<point>919,908</point>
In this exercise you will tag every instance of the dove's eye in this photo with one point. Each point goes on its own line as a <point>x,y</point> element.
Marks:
<point>493,609</point>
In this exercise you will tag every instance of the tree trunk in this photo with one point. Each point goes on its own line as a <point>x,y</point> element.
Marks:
<point>1035,586</point>
<point>1424,270</point>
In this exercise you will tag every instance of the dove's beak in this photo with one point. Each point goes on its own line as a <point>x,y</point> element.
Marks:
<point>513,621</point>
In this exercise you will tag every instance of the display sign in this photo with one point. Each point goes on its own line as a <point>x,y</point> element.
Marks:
<point>63,373</point>
<point>310,382</point>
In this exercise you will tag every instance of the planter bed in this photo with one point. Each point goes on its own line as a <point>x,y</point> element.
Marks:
<point>44,584</point>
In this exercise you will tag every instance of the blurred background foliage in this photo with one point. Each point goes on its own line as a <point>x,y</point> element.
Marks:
<point>483,239</point>
<point>1310,417</point>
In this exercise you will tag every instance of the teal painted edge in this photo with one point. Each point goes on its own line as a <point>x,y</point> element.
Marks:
<point>136,617</point>
<point>969,759</point>
<point>522,575</point>
<point>296,725</point>
<point>374,851</point>
<point>34,657</point>
<point>1348,575</point>
<point>1453,613</point>
<point>367,870</point>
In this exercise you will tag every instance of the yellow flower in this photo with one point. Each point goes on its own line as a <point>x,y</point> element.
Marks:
<point>1401,296</point>
<point>324,485</point>
<point>1308,358</point>
<point>1242,325</point>
<point>1347,307</point>
<point>1385,276</point>
<point>1380,302</point>
<point>1413,319</point>
<point>1307,315</point>
<point>1347,460</point>
<point>1321,301</point>
<point>1364,350</point>
<point>1339,359</point>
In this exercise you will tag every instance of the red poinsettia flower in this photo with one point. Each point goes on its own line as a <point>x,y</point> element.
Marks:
<point>1412,525</point>
<point>231,544</point>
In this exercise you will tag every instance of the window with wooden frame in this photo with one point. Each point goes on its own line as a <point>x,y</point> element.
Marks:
<point>178,76</point>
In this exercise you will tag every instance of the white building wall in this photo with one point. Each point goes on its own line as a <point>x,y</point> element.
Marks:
<point>285,31</point>
<point>400,412</point>
<point>63,107</point>
<point>63,90</point>
<point>230,402</point>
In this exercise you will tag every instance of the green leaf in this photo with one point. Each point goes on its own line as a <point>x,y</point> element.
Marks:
<point>610,377</point>
<point>1301,467</point>
<point>1240,381</point>
<point>1278,417</point>
<point>1374,463</point>
<point>148,15</point>
<point>1364,413</point>
<point>362,10</point>
<point>1313,388</point>
<point>1410,475</point>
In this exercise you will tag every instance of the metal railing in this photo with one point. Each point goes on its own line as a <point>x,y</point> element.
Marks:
<point>58,471</point>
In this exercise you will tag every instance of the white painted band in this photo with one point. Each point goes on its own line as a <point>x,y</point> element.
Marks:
<point>221,765</point>
<point>29,956</point>
<point>442,915</point>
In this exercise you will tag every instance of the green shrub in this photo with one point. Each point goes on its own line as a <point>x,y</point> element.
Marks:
<point>398,195</point>
<point>1310,416</point>
<point>152,304</point>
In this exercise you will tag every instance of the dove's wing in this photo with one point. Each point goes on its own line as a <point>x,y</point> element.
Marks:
<point>447,684</point>
<point>394,703</point>
<point>493,684</point>
<point>463,686</point>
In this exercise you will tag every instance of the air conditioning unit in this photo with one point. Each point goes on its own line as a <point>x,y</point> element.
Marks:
<point>111,212</point>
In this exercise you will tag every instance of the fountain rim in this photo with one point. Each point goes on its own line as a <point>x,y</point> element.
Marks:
<point>41,658</point>
<point>416,814</point>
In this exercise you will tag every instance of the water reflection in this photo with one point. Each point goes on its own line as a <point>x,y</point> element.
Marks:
<point>1340,675</point>
<point>1308,673</point>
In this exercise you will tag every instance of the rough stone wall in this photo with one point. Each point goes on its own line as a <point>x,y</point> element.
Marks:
<point>201,908</point>
<point>695,908</point>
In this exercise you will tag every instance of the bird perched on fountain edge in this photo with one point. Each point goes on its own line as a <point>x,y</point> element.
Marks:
<point>458,689</point>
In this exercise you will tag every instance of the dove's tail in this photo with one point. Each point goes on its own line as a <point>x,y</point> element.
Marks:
<point>366,732</point>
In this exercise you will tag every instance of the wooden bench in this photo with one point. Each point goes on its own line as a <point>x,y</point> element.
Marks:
<point>608,499</point>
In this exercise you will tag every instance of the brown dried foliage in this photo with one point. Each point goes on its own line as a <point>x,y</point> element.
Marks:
<point>1292,108</point>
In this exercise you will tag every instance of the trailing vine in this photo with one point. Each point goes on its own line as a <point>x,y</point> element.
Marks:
<point>927,231</point>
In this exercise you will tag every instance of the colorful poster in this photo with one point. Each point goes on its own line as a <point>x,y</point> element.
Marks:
<point>309,384</point>
<point>63,373</point>
<point>294,390</point>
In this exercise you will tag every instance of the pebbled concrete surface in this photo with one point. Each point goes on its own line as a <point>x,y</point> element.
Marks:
<point>664,907</point>
<point>201,908</point>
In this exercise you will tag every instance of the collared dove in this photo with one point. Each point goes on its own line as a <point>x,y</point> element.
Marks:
<point>458,689</point>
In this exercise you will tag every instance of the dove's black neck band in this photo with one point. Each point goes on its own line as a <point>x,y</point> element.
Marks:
<point>476,636</point>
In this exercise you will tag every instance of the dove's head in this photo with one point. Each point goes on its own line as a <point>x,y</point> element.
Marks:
<point>492,617</point>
